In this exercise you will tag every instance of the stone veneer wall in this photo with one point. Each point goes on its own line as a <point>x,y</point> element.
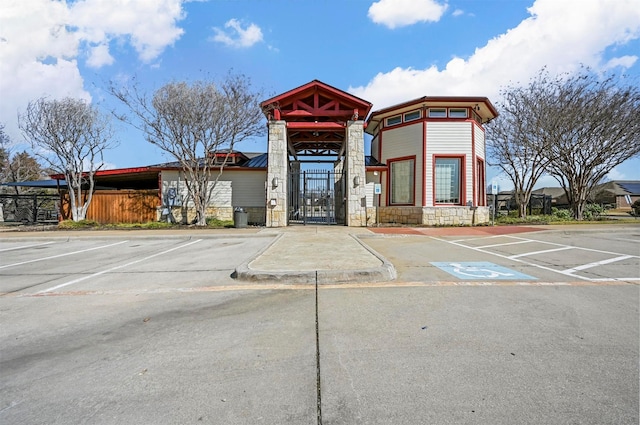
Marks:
<point>185,215</point>
<point>278,168</point>
<point>434,216</point>
<point>356,194</point>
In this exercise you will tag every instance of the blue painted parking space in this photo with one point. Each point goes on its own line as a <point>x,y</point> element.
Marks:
<point>481,270</point>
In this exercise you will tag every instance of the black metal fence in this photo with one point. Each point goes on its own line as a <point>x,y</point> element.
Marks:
<point>32,208</point>
<point>313,195</point>
<point>538,204</point>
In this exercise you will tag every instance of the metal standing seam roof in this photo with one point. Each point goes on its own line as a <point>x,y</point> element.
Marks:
<point>256,160</point>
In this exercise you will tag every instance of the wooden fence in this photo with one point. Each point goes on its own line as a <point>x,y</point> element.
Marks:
<point>119,206</point>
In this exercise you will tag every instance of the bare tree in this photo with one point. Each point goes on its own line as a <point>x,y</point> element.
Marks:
<point>70,136</point>
<point>5,155</point>
<point>576,128</point>
<point>594,125</point>
<point>517,142</point>
<point>192,121</point>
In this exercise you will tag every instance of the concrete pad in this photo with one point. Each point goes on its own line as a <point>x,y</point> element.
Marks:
<point>304,255</point>
<point>479,355</point>
<point>232,358</point>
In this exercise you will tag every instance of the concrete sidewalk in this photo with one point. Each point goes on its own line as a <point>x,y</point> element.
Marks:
<point>326,254</point>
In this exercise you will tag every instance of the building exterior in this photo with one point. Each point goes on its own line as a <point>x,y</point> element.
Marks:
<point>426,167</point>
<point>429,160</point>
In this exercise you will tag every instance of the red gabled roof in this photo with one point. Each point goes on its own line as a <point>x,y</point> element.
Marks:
<point>316,101</point>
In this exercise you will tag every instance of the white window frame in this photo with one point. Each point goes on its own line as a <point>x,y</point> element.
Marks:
<point>389,123</point>
<point>437,112</point>
<point>453,113</point>
<point>417,117</point>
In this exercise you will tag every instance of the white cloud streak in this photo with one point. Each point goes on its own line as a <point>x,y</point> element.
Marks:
<point>560,35</point>
<point>236,36</point>
<point>400,13</point>
<point>41,42</point>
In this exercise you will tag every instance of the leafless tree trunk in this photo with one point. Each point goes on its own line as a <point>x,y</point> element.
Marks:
<point>191,122</point>
<point>70,136</point>
<point>517,141</point>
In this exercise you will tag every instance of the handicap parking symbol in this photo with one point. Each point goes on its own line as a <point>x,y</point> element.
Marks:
<point>470,270</point>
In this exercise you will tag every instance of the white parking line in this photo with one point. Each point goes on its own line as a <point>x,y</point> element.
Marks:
<point>569,272</point>
<point>576,247</point>
<point>503,244</point>
<point>544,251</point>
<point>598,263</point>
<point>61,255</point>
<point>25,246</point>
<point>117,267</point>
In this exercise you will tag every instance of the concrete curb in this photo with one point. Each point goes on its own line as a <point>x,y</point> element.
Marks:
<point>383,273</point>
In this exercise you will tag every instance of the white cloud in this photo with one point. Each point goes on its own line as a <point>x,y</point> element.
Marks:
<point>458,12</point>
<point>99,56</point>
<point>622,61</point>
<point>236,36</point>
<point>42,40</point>
<point>400,13</point>
<point>559,34</point>
<point>150,26</point>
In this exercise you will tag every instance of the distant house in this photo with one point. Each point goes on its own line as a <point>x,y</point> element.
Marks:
<point>558,197</point>
<point>619,193</point>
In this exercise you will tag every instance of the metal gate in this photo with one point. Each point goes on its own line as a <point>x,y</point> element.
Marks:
<point>316,197</point>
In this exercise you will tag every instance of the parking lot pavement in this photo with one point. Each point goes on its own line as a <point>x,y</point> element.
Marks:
<point>112,264</point>
<point>530,327</point>
<point>178,358</point>
<point>568,254</point>
<point>480,355</point>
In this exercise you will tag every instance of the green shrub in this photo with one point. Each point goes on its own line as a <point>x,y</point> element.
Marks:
<point>593,212</point>
<point>216,222</point>
<point>561,214</point>
<point>82,224</point>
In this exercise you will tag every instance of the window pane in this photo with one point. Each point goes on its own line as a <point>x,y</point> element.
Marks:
<point>447,180</point>
<point>402,182</point>
<point>410,116</point>
<point>437,113</point>
<point>458,113</point>
<point>394,120</point>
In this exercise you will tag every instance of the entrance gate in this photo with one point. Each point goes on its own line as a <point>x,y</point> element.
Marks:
<point>316,197</point>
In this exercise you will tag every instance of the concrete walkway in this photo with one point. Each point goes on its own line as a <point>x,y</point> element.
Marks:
<point>326,254</point>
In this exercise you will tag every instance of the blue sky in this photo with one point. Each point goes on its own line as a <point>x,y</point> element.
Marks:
<point>385,51</point>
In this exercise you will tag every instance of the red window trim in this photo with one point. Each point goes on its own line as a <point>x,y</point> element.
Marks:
<point>481,182</point>
<point>463,188</point>
<point>398,159</point>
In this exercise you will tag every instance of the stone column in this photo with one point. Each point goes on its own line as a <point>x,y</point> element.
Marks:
<point>277,174</point>
<point>356,176</point>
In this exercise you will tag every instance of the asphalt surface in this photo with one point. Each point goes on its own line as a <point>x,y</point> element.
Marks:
<point>529,326</point>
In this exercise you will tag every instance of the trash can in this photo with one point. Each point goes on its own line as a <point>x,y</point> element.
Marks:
<point>239,218</point>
